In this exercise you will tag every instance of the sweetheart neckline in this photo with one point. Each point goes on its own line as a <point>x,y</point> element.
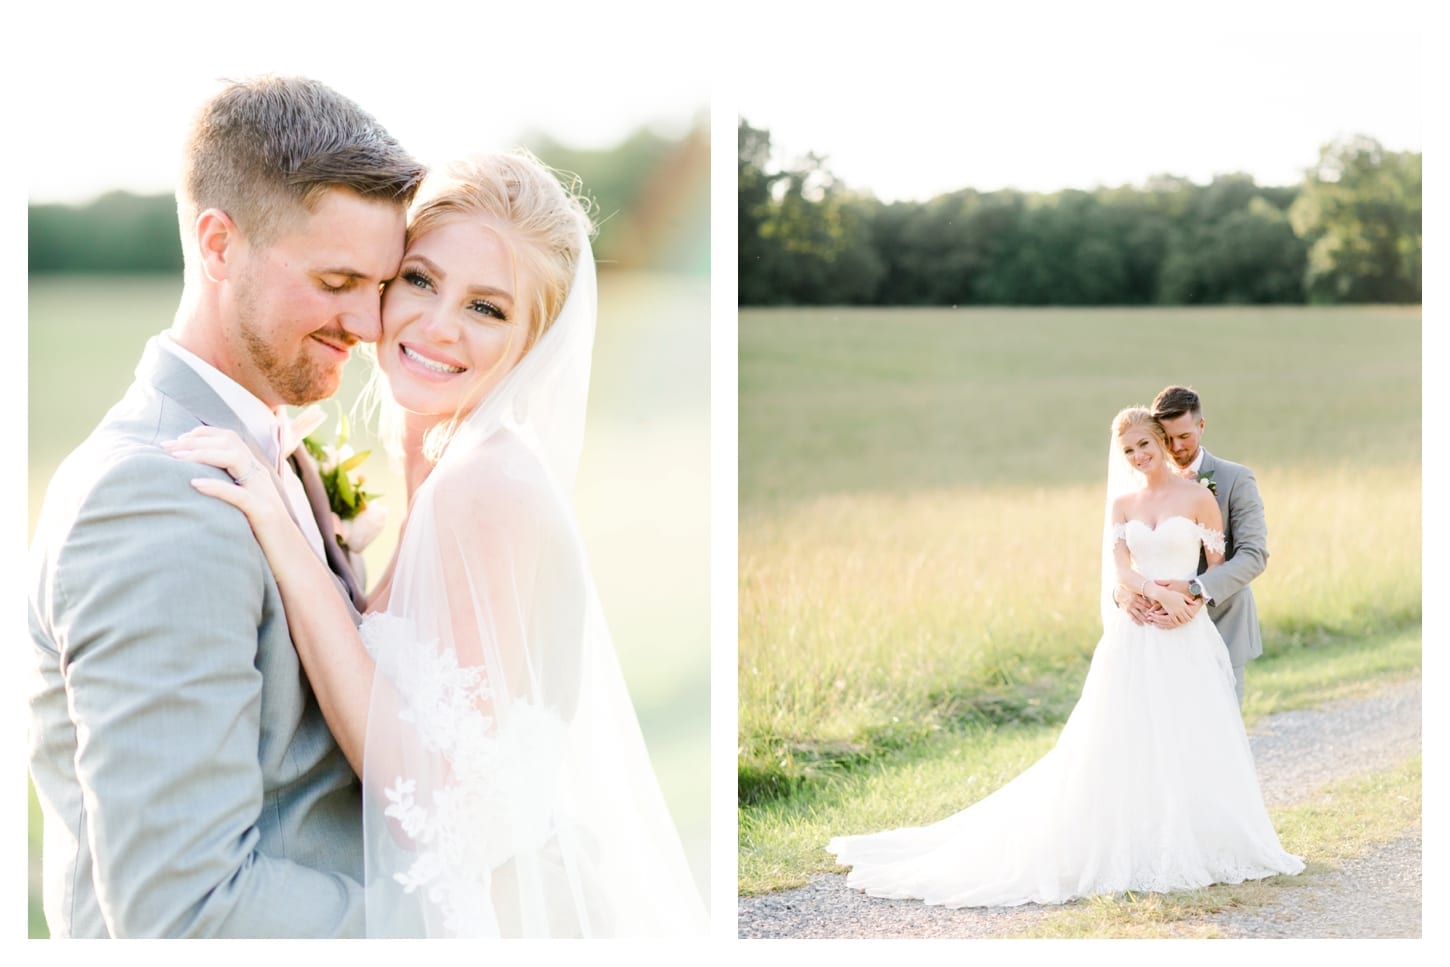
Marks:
<point>1154,527</point>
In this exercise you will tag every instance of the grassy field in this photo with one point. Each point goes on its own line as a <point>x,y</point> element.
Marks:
<point>920,512</point>
<point>643,497</point>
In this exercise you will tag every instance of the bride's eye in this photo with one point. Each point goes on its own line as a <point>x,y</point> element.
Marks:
<point>417,279</point>
<point>486,308</point>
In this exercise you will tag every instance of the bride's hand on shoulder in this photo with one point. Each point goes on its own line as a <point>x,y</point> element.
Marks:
<point>251,490</point>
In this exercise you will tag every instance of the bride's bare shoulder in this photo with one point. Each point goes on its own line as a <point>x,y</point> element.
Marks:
<point>1205,508</point>
<point>496,477</point>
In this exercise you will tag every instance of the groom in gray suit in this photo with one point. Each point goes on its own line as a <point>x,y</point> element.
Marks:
<point>189,784</point>
<point>1225,589</point>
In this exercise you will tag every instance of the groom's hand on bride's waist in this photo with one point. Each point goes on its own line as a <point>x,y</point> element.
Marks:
<point>1162,619</point>
<point>1138,607</point>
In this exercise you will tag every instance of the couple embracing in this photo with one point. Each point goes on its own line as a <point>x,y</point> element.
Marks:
<point>1151,786</point>
<point>230,734</point>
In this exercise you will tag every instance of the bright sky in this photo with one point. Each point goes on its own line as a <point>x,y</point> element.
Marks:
<point>108,92</point>
<point>1044,96</point>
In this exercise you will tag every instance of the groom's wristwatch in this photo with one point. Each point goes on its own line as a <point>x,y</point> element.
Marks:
<point>1195,589</point>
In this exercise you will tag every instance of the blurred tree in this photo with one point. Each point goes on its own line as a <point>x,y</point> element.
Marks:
<point>803,238</point>
<point>1359,210</point>
<point>753,193</point>
<point>651,195</point>
<point>823,250</point>
<point>118,232</point>
<point>1235,245</point>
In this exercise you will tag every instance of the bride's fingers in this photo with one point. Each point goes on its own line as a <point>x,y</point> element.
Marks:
<point>206,437</point>
<point>228,492</point>
<point>209,438</point>
<point>238,462</point>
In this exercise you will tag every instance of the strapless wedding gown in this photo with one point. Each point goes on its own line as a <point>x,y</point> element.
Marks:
<point>1151,786</point>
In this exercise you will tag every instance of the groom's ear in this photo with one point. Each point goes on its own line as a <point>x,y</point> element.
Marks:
<point>218,240</point>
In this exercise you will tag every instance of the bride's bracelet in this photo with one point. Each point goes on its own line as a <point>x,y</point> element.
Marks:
<point>1143,588</point>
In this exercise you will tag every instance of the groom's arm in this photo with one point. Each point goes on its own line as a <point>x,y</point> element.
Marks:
<point>1251,542</point>
<point>159,592</point>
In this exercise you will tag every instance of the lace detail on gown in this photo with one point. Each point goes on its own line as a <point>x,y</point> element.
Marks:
<point>1212,539</point>
<point>502,777</point>
<point>1150,787</point>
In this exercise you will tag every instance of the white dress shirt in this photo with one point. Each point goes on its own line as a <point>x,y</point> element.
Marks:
<point>265,426</point>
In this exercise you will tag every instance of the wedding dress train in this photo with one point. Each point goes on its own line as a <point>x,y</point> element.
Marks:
<point>1151,786</point>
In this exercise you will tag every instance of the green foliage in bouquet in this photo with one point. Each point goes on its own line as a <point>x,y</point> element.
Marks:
<point>336,463</point>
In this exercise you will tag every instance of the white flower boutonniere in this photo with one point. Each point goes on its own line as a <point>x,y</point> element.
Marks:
<point>357,521</point>
<point>1206,480</point>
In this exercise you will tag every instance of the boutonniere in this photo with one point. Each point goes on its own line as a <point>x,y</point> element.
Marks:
<point>357,521</point>
<point>1206,480</point>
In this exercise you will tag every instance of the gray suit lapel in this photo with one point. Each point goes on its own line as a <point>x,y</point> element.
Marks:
<point>178,381</point>
<point>1210,465</point>
<point>175,379</point>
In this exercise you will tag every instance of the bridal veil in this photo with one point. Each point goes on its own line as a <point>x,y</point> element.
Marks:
<point>507,787</point>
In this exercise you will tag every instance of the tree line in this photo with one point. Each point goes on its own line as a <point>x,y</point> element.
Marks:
<point>1350,232</point>
<point>650,194</point>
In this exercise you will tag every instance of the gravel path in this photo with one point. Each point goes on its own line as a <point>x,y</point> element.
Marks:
<point>1374,896</point>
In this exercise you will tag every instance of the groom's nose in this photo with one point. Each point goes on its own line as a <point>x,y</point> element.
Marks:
<point>363,319</point>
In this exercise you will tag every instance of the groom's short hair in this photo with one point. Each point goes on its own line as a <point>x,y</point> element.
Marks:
<point>264,150</point>
<point>1175,401</point>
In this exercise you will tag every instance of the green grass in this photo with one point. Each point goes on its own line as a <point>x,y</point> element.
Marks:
<point>892,401</point>
<point>35,914</point>
<point>920,514</point>
<point>782,839</point>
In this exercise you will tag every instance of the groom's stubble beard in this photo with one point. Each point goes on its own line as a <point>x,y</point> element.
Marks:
<point>296,381</point>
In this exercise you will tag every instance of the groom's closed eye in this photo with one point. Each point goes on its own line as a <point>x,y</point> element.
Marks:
<point>339,279</point>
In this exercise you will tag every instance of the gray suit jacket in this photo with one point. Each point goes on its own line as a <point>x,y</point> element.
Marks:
<point>188,782</point>
<point>1246,547</point>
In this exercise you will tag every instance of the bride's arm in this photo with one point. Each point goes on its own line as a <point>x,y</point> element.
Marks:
<point>515,604</point>
<point>1175,603</point>
<point>332,652</point>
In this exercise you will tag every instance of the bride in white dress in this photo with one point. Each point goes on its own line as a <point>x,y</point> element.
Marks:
<point>507,790</point>
<point>1151,786</point>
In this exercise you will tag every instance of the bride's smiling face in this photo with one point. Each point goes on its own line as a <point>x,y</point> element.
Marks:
<point>1141,449</point>
<point>454,319</point>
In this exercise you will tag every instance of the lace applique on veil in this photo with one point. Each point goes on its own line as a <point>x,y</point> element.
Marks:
<point>500,776</point>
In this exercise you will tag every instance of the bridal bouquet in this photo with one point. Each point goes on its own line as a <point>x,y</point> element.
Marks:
<point>356,521</point>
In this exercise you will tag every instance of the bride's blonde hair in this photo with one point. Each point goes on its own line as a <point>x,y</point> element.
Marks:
<point>541,217</point>
<point>1140,416</point>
